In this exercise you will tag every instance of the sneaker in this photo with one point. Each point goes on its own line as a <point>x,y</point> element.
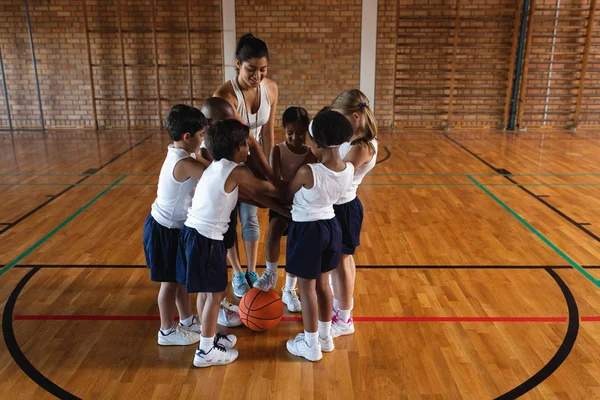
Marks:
<point>229,306</point>
<point>327,345</point>
<point>267,281</point>
<point>217,355</point>
<point>228,318</point>
<point>227,341</point>
<point>194,327</point>
<point>178,337</point>
<point>341,328</point>
<point>300,348</point>
<point>290,298</point>
<point>240,286</point>
<point>251,277</point>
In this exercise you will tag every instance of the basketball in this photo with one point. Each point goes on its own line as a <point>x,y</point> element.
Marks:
<point>261,311</point>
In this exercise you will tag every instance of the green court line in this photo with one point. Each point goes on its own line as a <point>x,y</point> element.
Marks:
<point>59,227</point>
<point>538,234</point>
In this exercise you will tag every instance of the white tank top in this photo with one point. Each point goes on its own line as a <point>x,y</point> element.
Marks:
<point>173,198</point>
<point>359,174</point>
<point>316,204</point>
<point>211,206</point>
<point>290,162</point>
<point>255,121</point>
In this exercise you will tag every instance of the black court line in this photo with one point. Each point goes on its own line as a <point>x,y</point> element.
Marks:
<point>563,351</point>
<point>388,154</point>
<point>139,266</point>
<point>71,186</point>
<point>506,174</point>
<point>5,223</point>
<point>15,351</point>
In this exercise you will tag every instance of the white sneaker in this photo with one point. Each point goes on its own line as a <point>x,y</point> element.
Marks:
<point>194,327</point>
<point>217,355</point>
<point>290,298</point>
<point>327,345</point>
<point>300,348</point>
<point>341,328</point>
<point>227,317</point>
<point>227,341</point>
<point>267,281</point>
<point>178,337</point>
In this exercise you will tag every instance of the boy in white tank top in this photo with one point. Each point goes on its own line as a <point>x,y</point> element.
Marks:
<point>314,242</point>
<point>178,177</point>
<point>286,159</point>
<point>201,259</point>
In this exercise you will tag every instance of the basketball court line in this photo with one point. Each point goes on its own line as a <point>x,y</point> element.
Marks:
<point>282,266</point>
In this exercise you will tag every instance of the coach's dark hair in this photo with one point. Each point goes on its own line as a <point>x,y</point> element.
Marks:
<point>183,119</point>
<point>295,114</point>
<point>250,47</point>
<point>330,128</point>
<point>224,137</point>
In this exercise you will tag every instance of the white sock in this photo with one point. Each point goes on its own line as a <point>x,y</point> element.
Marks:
<point>344,315</point>
<point>167,331</point>
<point>272,266</point>
<point>336,305</point>
<point>312,338</point>
<point>324,329</point>
<point>187,321</point>
<point>290,281</point>
<point>206,343</point>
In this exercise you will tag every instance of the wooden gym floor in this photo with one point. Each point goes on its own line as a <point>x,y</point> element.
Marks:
<point>477,275</point>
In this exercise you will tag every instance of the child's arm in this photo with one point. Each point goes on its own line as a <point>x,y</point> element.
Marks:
<point>206,155</point>
<point>304,177</point>
<point>258,156</point>
<point>188,168</point>
<point>250,185</point>
<point>262,201</point>
<point>359,155</point>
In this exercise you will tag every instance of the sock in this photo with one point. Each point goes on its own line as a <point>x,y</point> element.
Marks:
<point>272,266</point>
<point>206,343</point>
<point>167,331</point>
<point>344,315</point>
<point>187,321</point>
<point>312,338</point>
<point>336,305</point>
<point>324,329</point>
<point>290,281</point>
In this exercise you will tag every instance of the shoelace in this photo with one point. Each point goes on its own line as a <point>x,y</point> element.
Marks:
<point>219,336</point>
<point>218,346</point>
<point>335,318</point>
<point>239,279</point>
<point>227,305</point>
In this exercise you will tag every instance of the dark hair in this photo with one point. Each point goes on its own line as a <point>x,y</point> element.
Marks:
<point>295,114</point>
<point>326,108</point>
<point>330,128</point>
<point>183,119</point>
<point>217,109</point>
<point>250,47</point>
<point>224,137</point>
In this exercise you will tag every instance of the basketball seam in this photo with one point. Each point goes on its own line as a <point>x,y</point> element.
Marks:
<point>260,329</point>
<point>263,319</point>
<point>268,304</point>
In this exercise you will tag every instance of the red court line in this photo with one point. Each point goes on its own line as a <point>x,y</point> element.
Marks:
<point>590,319</point>
<point>297,319</point>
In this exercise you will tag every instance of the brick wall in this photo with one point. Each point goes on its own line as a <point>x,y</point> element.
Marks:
<point>60,44</point>
<point>314,47</point>
<point>386,61</point>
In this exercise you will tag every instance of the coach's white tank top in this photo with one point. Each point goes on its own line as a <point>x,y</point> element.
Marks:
<point>316,204</point>
<point>212,206</point>
<point>173,197</point>
<point>290,162</point>
<point>359,174</point>
<point>261,117</point>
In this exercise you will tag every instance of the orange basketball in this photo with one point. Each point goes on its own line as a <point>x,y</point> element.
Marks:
<point>261,311</point>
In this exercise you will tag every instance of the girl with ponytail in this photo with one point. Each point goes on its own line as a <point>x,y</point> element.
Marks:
<point>361,151</point>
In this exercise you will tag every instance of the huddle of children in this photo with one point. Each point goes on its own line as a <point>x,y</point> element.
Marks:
<point>191,226</point>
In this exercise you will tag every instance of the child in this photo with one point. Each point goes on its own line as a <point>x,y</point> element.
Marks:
<point>314,242</point>
<point>216,109</point>
<point>362,153</point>
<point>286,159</point>
<point>178,177</point>
<point>201,264</point>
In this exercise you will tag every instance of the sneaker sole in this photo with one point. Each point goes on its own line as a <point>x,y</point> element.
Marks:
<point>347,333</point>
<point>327,350</point>
<point>229,324</point>
<point>290,309</point>
<point>303,356</point>
<point>212,364</point>
<point>178,344</point>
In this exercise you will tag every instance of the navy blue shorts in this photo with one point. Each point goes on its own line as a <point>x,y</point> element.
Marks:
<point>275,214</point>
<point>350,215</point>
<point>160,249</point>
<point>201,263</point>
<point>313,248</point>
<point>230,236</point>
